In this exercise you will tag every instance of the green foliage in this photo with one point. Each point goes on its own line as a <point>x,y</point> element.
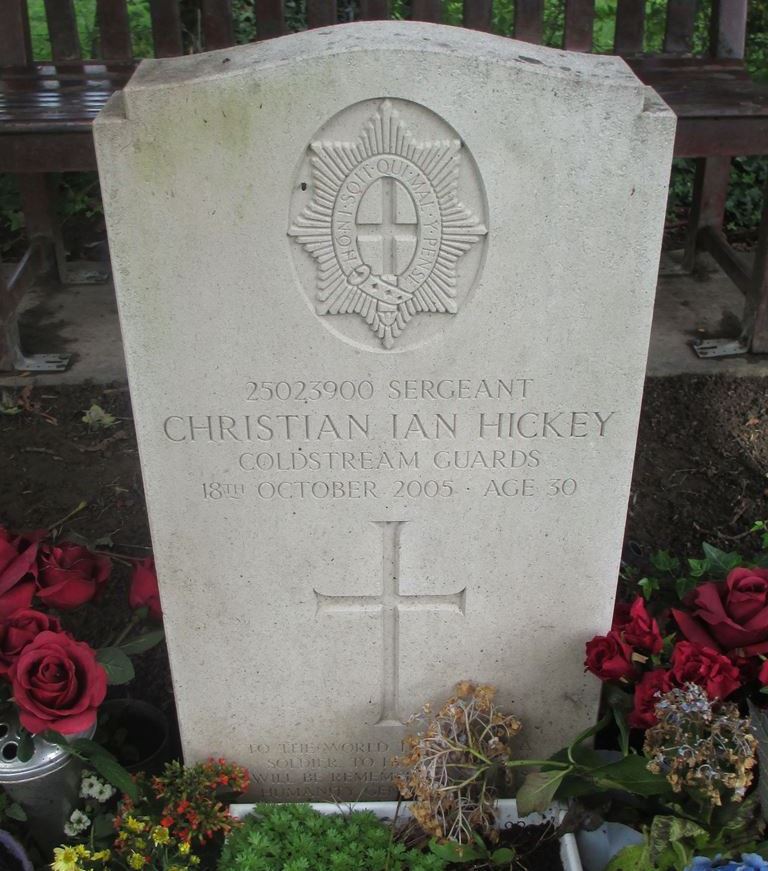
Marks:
<point>673,581</point>
<point>297,838</point>
<point>80,195</point>
<point>479,851</point>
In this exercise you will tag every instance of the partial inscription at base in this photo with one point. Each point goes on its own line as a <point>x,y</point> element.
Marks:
<point>385,222</point>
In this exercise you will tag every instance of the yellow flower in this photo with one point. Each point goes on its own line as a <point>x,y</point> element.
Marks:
<point>102,856</point>
<point>136,861</point>
<point>194,860</point>
<point>140,844</point>
<point>64,859</point>
<point>184,848</point>
<point>82,851</point>
<point>133,825</point>
<point>160,835</point>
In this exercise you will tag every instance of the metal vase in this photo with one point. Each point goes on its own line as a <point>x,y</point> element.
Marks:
<point>47,786</point>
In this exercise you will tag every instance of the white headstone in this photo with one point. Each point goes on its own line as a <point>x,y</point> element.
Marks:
<point>385,292</point>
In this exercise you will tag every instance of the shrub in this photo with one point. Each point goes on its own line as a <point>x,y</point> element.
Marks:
<point>298,838</point>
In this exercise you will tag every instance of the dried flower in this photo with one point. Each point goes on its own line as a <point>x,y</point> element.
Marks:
<point>454,763</point>
<point>701,746</point>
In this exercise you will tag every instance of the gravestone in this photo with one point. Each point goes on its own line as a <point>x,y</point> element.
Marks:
<point>385,291</point>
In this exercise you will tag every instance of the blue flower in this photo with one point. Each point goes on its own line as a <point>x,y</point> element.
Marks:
<point>749,862</point>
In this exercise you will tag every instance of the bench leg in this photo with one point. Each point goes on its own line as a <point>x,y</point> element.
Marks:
<point>39,194</point>
<point>756,312</point>
<point>11,292</point>
<point>710,189</point>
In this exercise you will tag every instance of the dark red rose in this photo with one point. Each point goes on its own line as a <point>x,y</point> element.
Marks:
<point>641,631</point>
<point>650,686</point>
<point>70,575</point>
<point>715,673</point>
<point>763,676</point>
<point>620,614</point>
<point>18,630</point>
<point>610,657</point>
<point>18,571</point>
<point>730,616</point>
<point>144,592</point>
<point>57,684</point>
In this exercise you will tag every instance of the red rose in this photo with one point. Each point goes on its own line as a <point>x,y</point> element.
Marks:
<point>730,616</point>
<point>610,657</point>
<point>144,592</point>
<point>763,676</point>
<point>18,571</point>
<point>715,673</point>
<point>57,684</point>
<point>642,631</point>
<point>647,692</point>
<point>70,575</point>
<point>18,630</point>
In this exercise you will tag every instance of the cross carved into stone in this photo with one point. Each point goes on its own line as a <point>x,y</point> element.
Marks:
<point>393,227</point>
<point>390,603</point>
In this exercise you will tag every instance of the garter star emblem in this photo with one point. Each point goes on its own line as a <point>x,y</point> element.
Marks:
<point>385,224</point>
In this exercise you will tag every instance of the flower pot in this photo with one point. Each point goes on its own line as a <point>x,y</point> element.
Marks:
<point>46,785</point>
<point>507,813</point>
<point>599,846</point>
<point>136,732</point>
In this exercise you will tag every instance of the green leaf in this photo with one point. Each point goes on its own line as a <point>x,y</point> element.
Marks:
<point>648,586</point>
<point>634,858</point>
<point>116,663</point>
<point>97,418</point>
<point>110,769</point>
<point>538,790</point>
<point>503,856</point>
<point>16,812</point>
<point>630,774</point>
<point>454,852</point>
<point>720,561</point>
<point>621,724</point>
<point>142,643</point>
<point>662,561</point>
<point>26,746</point>
<point>103,826</point>
<point>699,567</point>
<point>683,586</point>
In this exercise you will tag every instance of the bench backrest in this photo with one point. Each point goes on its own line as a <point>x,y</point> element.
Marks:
<point>727,25</point>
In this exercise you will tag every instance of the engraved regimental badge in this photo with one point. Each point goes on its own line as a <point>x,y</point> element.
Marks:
<point>384,222</point>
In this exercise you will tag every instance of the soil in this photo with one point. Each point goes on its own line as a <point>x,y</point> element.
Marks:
<point>701,474</point>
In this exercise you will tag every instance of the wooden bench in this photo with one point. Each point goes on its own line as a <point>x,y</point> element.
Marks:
<point>46,109</point>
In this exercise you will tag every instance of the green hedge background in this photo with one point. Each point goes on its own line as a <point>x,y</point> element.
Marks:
<point>80,193</point>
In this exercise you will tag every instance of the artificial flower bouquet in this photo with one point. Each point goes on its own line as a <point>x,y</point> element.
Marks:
<point>56,681</point>
<point>707,625</point>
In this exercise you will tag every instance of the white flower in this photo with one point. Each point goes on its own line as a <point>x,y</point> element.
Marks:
<point>103,792</point>
<point>78,822</point>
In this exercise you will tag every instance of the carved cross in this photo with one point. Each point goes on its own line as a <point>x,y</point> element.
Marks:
<point>389,604</point>
<point>391,229</point>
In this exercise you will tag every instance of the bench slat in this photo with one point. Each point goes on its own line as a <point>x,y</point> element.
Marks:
<point>372,10</point>
<point>579,21</point>
<point>529,20</point>
<point>114,30</point>
<point>728,28</point>
<point>15,46</point>
<point>166,28</point>
<point>427,10</point>
<point>630,27</point>
<point>218,29</point>
<point>62,30</point>
<point>477,14</point>
<point>681,19</point>
<point>270,21</point>
<point>321,13</point>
